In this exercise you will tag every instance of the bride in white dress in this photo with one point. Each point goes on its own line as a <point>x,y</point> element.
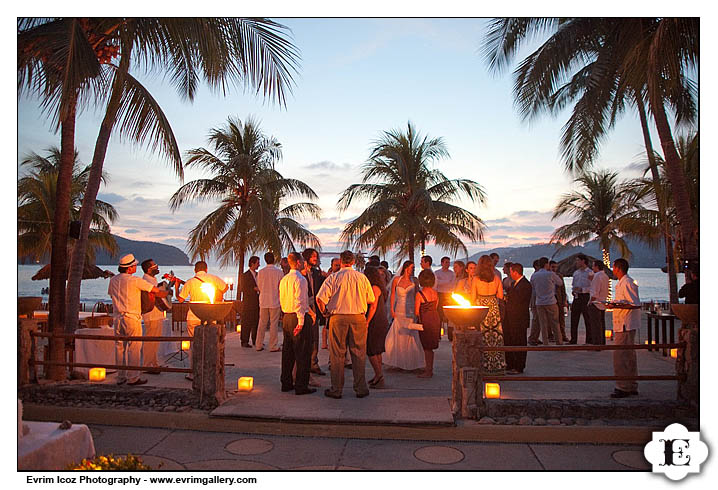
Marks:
<point>403,347</point>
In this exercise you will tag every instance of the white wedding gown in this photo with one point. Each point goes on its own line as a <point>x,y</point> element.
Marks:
<point>403,347</point>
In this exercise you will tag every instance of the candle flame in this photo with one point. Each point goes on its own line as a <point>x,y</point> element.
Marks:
<point>461,300</point>
<point>208,289</point>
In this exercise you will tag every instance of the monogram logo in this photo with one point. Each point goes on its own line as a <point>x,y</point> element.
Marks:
<point>676,452</point>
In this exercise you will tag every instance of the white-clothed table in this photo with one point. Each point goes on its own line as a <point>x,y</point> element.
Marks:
<point>94,351</point>
<point>166,349</point>
<point>46,447</point>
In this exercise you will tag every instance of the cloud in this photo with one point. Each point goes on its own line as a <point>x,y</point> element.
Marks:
<point>111,197</point>
<point>327,230</point>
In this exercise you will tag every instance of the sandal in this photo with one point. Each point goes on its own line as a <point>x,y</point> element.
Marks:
<point>377,382</point>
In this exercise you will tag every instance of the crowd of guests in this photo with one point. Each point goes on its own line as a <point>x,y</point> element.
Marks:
<point>392,320</point>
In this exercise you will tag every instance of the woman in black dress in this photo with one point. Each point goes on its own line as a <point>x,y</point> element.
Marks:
<point>378,325</point>
<point>426,305</point>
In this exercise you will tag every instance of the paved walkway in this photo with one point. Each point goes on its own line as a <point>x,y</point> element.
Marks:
<point>168,449</point>
<point>406,398</point>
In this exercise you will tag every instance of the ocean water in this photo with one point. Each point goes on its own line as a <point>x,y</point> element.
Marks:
<point>652,283</point>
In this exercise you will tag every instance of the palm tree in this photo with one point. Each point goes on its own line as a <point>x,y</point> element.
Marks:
<point>252,214</point>
<point>606,209</point>
<point>603,64</point>
<point>59,63</point>
<point>409,200</point>
<point>660,196</point>
<point>220,50</point>
<point>36,207</point>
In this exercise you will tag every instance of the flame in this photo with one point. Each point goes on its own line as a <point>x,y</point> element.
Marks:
<point>461,300</point>
<point>208,289</point>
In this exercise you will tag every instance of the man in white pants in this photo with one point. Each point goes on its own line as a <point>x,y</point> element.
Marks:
<point>125,289</point>
<point>152,320</point>
<point>268,280</point>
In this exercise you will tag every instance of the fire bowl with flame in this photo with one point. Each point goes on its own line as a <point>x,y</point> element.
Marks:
<point>211,312</point>
<point>465,315</point>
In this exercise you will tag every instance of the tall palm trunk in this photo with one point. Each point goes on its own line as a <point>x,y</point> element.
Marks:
<point>660,201</point>
<point>677,178</point>
<point>77,261</point>
<point>58,258</point>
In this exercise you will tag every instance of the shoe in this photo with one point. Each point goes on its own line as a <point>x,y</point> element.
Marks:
<point>572,342</point>
<point>620,393</point>
<point>278,349</point>
<point>153,371</point>
<point>534,343</point>
<point>260,349</point>
<point>362,395</point>
<point>331,394</point>
<point>121,381</point>
<point>247,346</point>
<point>377,382</point>
<point>308,391</point>
<point>318,370</point>
<point>138,381</point>
<point>284,390</point>
<point>188,377</point>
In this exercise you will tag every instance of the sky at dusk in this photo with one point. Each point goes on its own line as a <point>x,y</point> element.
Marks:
<point>357,78</point>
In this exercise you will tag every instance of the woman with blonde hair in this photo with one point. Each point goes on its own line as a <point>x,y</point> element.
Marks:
<point>486,290</point>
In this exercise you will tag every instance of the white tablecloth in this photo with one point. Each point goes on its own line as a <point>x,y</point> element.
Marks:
<point>46,447</point>
<point>94,351</point>
<point>167,348</point>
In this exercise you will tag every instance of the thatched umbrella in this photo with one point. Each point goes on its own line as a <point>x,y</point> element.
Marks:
<point>567,266</point>
<point>91,271</point>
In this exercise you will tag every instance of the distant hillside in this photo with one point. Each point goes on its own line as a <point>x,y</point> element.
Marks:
<point>161,253</point>
<point>642,254</point>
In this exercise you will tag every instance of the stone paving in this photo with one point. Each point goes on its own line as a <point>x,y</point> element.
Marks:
<point>168,449</point>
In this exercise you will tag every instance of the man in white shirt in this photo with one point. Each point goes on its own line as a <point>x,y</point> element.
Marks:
<point>269,305</point>
<point>581,288</point>
<point>445,283</point>
<point>346,295</point>
<point>495,258</point>
<point>152,321</point>
<point>125,290</point>
<point>296,325</point>
<point>597,309</point>
<point>192,289</point>
<point>626,321</point>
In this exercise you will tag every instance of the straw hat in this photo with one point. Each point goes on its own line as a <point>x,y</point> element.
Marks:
<point>128,261</point>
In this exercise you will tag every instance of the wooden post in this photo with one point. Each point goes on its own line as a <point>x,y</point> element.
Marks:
<point>688,366</point>
<point>208,364</point>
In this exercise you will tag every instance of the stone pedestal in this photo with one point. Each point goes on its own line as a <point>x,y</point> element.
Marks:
<point>688,367</point>
<point>466,386</point>
<point>208,364</point>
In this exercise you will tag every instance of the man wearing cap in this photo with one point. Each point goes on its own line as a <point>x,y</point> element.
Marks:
<point>192,289</point>
<point>125,289</point>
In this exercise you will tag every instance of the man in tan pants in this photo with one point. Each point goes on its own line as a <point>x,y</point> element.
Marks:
<point>626,321</point>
